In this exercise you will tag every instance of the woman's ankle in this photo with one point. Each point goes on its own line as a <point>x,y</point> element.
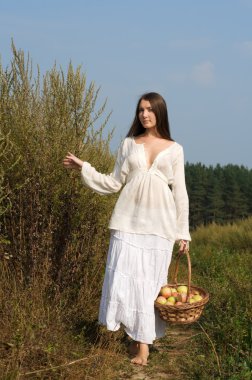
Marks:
<point>143,349</point>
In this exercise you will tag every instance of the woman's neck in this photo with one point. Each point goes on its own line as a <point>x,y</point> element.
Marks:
<point>151,133</point>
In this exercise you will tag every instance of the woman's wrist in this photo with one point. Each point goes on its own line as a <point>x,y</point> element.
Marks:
<point>183,244</point>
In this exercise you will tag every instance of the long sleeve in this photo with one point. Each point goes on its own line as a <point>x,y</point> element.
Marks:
<point>105,183</point>
<point>181,198</point>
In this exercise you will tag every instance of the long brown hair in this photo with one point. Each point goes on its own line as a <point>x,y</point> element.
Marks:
<point>159,108</point>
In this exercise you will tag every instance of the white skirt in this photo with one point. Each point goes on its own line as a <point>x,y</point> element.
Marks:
<point>137,267</point>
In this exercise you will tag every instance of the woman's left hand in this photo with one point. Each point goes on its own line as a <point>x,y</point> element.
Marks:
<point>183,246</point>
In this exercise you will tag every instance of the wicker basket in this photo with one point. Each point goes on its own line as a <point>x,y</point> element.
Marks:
<point>185,313</point>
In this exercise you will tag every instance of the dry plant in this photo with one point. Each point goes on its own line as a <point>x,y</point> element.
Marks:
<point>54,235</point>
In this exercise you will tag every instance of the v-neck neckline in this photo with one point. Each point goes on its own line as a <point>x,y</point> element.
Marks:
<point>157,155</point>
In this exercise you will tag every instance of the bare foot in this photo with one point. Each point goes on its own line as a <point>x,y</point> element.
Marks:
<point>133,347</point>
<point>142,356</point>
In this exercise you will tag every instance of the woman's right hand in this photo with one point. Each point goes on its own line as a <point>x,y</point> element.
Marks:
<point>72,162</point>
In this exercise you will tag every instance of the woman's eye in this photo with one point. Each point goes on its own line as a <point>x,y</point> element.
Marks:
<point>149,109</point>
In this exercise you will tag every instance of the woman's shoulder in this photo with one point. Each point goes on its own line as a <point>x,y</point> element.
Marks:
<point>177,152</point>
<point>128,140</point>
<point>125,145</point>
<point>178,146</point>
<point>174,148</point>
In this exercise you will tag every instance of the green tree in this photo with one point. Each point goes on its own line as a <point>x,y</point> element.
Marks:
<point>235,201</point>
<point>218,194</point>
<point>196,180</point>
<point>214,203</point>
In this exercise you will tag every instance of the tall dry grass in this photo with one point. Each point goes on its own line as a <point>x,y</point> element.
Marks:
<point>54,235</point>
<point>232,236</point>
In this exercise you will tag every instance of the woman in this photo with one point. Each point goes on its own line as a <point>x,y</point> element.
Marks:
<point>150,215</point>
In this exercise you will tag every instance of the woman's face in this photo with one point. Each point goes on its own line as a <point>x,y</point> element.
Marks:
<point>146,114</point>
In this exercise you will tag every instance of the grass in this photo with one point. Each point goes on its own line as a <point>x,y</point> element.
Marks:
<point>54,241</point>
<point>224,268</point>
<point>38,332</point>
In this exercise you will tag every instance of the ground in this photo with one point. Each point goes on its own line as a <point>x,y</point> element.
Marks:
<point>168,357</point>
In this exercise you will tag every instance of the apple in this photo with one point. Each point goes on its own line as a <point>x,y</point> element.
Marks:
<point>189,297</point>
<point>178,303</point>
<point>172,300</point>
<point>173,290</point>
<point>182,297</point>
<point>165,292</point>
<point>197,297</point>
<point>169,303</point>
<point>161,300</point>
<point>192,300</point>
<point>182,289</point>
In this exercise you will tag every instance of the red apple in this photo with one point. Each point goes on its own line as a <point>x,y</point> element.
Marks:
<point>165,292</point>
<point>182,297</point>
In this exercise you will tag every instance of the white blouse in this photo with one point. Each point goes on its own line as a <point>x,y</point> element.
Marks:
<point>153,200</point>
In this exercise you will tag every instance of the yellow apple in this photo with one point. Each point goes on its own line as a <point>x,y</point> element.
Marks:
<point>192,300</point>
<point>172,300</point>
<point>197,297</point>
<point>182,289</point>
<point>161,300</point>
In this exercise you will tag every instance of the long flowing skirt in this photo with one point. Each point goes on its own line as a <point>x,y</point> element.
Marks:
<point>137,267</point>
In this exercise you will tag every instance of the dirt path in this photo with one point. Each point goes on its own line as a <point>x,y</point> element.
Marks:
<point>167,357</point>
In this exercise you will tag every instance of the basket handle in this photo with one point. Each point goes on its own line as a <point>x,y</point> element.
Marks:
<point>189,269</point>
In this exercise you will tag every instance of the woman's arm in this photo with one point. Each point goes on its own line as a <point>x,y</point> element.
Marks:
<point>98,182</point>
<point>181,198</point>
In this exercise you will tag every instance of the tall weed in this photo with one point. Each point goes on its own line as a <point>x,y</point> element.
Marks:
<point>54,235</point>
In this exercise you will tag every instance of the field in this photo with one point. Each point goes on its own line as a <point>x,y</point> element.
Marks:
<point>41,331</point>
<point>54,241</point>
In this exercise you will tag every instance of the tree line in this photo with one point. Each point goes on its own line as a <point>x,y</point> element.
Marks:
<point>218,193</point>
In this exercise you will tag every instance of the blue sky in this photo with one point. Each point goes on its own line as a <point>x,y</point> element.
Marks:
<point>196,53</point>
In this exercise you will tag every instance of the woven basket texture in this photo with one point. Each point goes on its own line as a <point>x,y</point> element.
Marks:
<point>186,313</point>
